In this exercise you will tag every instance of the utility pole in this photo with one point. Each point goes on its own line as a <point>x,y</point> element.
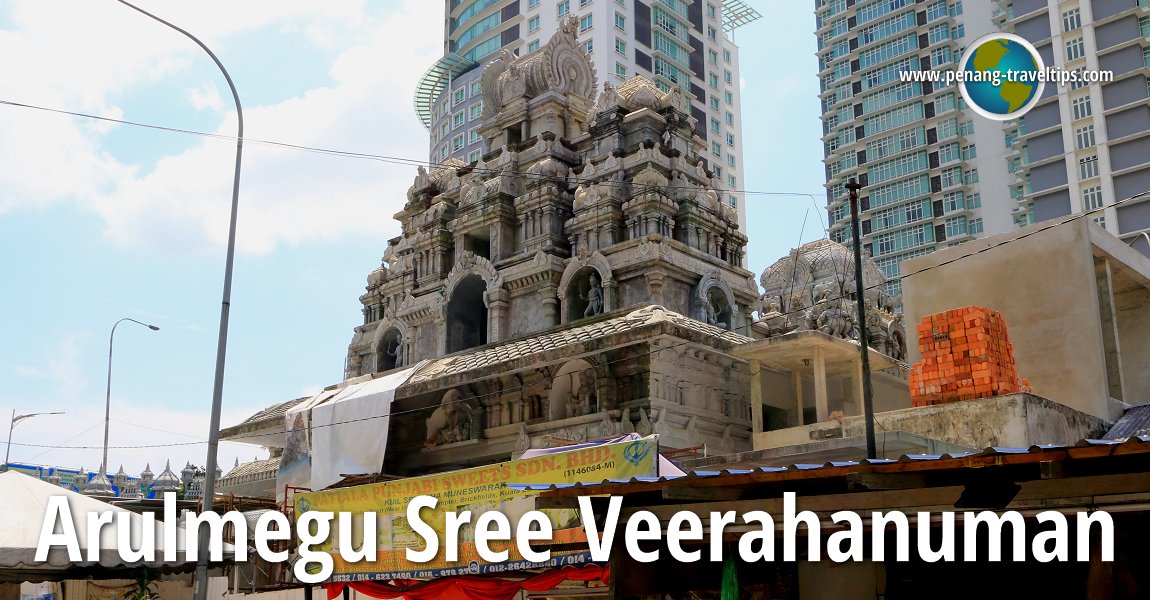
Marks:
<point>853,186</point>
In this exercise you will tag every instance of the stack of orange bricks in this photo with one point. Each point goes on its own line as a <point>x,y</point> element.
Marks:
<point>966,354</point>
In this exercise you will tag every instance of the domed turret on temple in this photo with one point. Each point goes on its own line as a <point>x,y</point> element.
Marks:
<point>166,481</point>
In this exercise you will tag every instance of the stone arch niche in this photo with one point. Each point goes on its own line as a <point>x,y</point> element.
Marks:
<point>390,352</point>
<point>467,314</point>
<point>714,302</point>
<point>391,345</point>
<point>575,294</point>
<point>475,304</point>
<point>574,391</point>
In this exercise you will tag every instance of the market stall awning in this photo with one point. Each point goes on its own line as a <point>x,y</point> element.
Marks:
<point>23,506</point>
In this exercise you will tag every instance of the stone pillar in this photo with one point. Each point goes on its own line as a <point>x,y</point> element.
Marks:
<point>798,382</point>
<point>441,331</point>
<point>756,397</point>
<point>610,295</point>
<point>821,409</point>
<point>655,287</point>
<point>497,306</point>
<point>857,385</point>
<point>550,301</point>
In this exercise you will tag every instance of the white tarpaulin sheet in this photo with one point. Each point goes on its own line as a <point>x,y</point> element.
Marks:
<point>349,432</point>
<point>295,464</point>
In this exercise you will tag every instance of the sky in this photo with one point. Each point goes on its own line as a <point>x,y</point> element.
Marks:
<point>100,221</point>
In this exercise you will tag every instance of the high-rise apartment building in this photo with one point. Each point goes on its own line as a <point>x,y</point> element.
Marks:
<point>685,43</point>
<point>1086,146</point>
<point>935,172</point>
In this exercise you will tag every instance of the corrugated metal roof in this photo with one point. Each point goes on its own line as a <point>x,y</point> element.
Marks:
<point>1139,443</point>
<point>1135,422</point>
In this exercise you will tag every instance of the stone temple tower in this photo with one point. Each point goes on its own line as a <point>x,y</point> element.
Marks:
<point>591,201</point>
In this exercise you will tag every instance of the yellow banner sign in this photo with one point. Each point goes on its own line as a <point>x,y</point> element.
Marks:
<point>478,490</point>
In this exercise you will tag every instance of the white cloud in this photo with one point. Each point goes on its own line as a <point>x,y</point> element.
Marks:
<point>103,50</point>
<point>206,97</point>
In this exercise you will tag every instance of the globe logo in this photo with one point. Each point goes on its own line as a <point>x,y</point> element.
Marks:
<point>1001,76</point>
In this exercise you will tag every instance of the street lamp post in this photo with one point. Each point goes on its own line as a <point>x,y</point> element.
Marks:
<point>100,485</point>
<point>221,347</point>
<point>12,425</point>
<point>853,186</point>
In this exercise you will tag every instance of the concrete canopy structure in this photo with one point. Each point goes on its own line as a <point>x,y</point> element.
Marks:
<point>1075,299</point>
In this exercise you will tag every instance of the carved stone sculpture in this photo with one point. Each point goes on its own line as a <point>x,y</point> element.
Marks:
<point>594,297</point>
<point>450,422</point>
<point>395,351</point>
<point>582,400</point>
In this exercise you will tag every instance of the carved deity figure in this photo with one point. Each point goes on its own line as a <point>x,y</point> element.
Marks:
<point>449,422</point>
<point>395,351</point>
<point>582,399</point>
<point>594,297</point>
<point>607,99</point>
<point>354,364</point>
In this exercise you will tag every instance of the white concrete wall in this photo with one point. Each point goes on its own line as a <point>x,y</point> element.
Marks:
<point>1045,287</point>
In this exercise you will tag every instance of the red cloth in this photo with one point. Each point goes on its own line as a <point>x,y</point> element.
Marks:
<point>471,587</point>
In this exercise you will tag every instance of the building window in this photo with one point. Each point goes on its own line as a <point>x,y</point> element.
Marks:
<point>714,102</point>
<point>476,88</point>
<point>730,160</point>
<point>713,57</point>
<point>1079,81</point>
<point>473,136</point>
<point>533,24</point>
<point>584,2</point>
<point>730,139</point>
<point>975,226</point>
<point>730,118</point>
<point>589,46</point>
<point>620,70</point>
<point>1084,136</point>
<point>730,98</point>
<point>473,156</point>
<point>475,110</point>
<point>621,46</point>
<point>620,22</point>
<point>714,80</point>
<point>955,226</point>
<point>712,33</point>
<point>585,23</point>
<point>533,45</point>
<point>457,143</point>
<point>727,77</point>
<point>711,10</point>
<point>1081,106</point>
<point>715,125</point>
<point>716,148</point>
<point>1071,20</point>
<point>459,95</point>
<point>732,181</point>
<point>1088,167</point>
<point>1075,49</point>
<point>563,8</point>
<point>1092,198</point>
<point>1144,25</point>
<point>726,56</point>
